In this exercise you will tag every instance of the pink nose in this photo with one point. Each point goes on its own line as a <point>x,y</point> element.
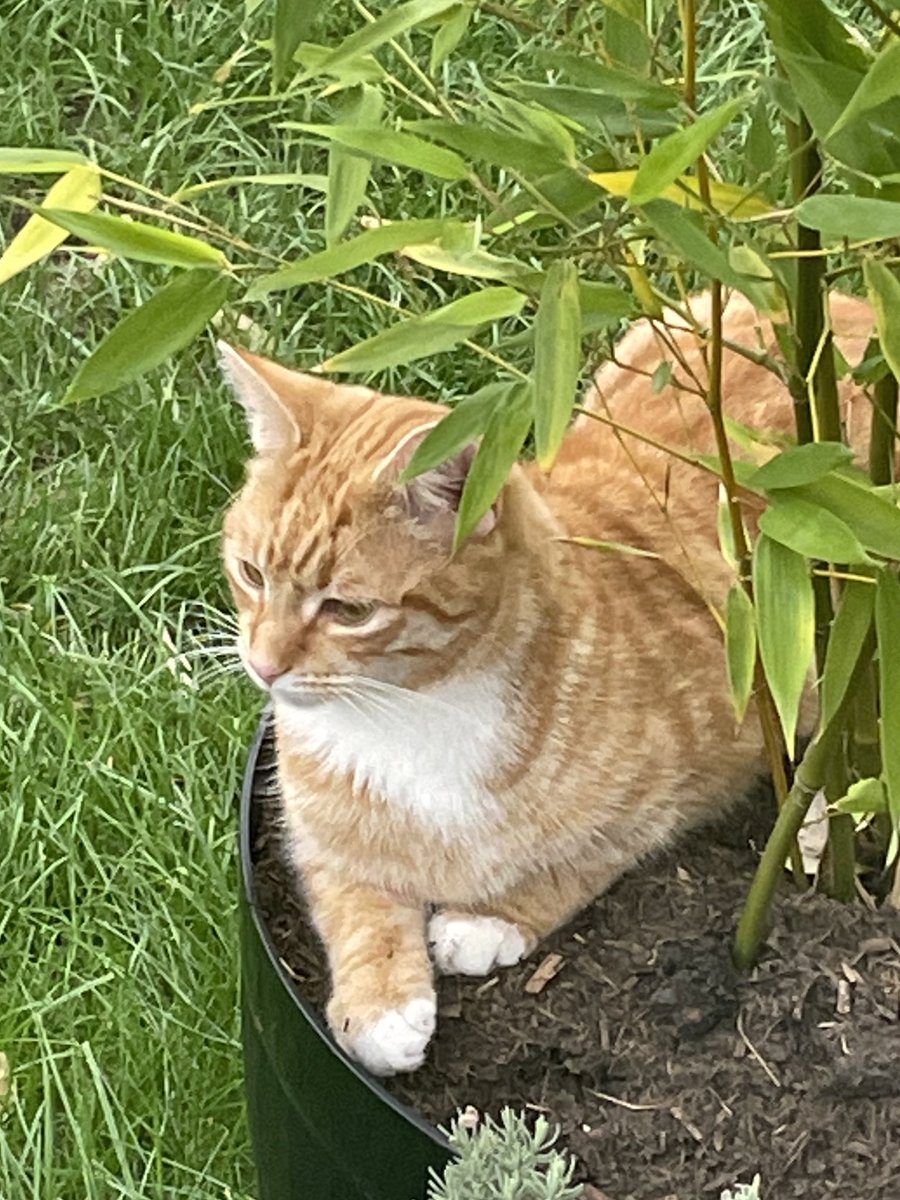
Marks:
<point>266,672</point>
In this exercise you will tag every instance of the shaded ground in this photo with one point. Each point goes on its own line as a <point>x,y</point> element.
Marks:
<point>670,1078</point>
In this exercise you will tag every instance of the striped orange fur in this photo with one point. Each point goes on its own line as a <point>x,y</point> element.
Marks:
<point>471,747</point>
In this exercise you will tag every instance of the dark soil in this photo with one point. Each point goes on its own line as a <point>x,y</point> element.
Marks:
<point>670,1077</point>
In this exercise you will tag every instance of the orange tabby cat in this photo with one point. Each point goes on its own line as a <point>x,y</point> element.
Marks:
<point>473,746</point>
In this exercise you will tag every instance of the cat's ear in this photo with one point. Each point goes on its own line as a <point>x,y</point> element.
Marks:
<point>272,425</point>
<point>435,493</point>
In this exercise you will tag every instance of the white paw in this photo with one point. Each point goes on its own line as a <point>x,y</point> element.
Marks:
<point>473,945</point>
<point>395,1041</point>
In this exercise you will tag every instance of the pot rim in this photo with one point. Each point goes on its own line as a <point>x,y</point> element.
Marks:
<point>312,1018</point>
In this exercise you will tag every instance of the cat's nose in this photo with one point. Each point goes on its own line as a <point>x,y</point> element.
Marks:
<point>265,670</point>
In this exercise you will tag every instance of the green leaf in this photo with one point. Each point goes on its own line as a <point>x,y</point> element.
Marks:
<point>802,464</point>
<point>466,422</point>
<point>348,172</point>
<point>589,73</point>
<point>394,21</point>
<point>315,183</point>
<point>510,150</point>
<point>880,83</point>
<point>77,189</point>
<point>450,33</point>
<point>366,247</point>
<point>883,288</point>
<point>596,111</point>
<point>133,239</point>
<point>873,518</point>
<point>740,647</point>
<point>811,530</point>
<point>364,69</point>
<point>557,359</point>
<point>169,320</point>
<point>685,234</point>
<point>887,626</point>
<point>825,66</point>
<point>785,615</point>
<point>419,337</point>
<point>857,217</point>
<point>290,25</point>
<point>845,642</point>
<point>626,39</point>
<point>475,263</point>
<point>674,154</point>
<point>500,447</point>
<point>863,797</point>
<point>400,148</point>
<point>15,160</point>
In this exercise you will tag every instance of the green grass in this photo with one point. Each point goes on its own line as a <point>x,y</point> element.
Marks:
<point>118,960</point>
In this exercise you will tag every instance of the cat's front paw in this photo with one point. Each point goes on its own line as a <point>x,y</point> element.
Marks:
<point>469,944</point>
<point>386,1041</point>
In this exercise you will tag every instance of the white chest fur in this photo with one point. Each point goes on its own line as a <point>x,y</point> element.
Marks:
<point>428,752</point>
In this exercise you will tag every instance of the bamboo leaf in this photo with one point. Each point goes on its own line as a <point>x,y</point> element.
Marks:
<point>785,613</point>
<point>450,33</point>
<point>290,25</point>
<point>880,83</point>
<point>500,447</point>
<point>802,464</point>
<point>22,160</point>
<point>887,626</point>
<point>729,199</point>
<point>79,188</point>
<point>394,21</point>
<point>863,797</point>
<point>672,156</point>
<point>475,263</point>
<point>419,337</point>
<point>463,424</point>
<point>883,287</point>
<point>134,239</point>
<point>626,85</point>
<point>146,337</point>
<point>851,624</point>
<point>479,144</point>
<point>400,148</point>
<point>366,247</point>
<point>315,183</point>
<point>684,232</point>
<point>873,517</point>
<point>363,69</point>
<point>348,172</point>
<point>810,530</point>
<point>859,217</point>
<point>740,647</point>
<point>557,359</point>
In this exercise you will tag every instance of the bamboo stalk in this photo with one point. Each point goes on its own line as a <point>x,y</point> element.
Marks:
<point>883,439</point>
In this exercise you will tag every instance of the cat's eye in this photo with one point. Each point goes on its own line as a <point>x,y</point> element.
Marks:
<point>347,612</point>
<point>251,574</point>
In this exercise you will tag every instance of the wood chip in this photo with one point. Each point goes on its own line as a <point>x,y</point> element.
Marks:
<point>469,1117</point>
<point>549,969</point>
<point>592,1193</point>
<point>686,1122</point>
<point>851,974</point>
<point>842,1004</point>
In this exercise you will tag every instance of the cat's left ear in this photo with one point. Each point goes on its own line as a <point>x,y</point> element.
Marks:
<point>437,492</point>
<point>272,425</point>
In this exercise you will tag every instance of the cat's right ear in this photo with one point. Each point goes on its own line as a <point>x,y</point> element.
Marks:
<point>272,426</point>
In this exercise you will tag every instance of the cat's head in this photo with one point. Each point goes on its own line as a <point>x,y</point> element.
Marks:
<point>340,571</point>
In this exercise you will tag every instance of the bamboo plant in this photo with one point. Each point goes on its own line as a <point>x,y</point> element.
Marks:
<point>593,181</point>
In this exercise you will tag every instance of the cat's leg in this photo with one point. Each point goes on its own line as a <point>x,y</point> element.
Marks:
<point>501,932</point>
<point>382,1006</point>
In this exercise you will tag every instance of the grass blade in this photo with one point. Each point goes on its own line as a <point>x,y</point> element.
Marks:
<point>557,359</point>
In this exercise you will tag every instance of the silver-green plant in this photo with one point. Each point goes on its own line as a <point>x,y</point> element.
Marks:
<point>743,1191</point>
<point>506,1161</point>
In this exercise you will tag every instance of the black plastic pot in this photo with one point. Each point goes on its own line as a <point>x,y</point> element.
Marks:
<point>322,1129</point>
